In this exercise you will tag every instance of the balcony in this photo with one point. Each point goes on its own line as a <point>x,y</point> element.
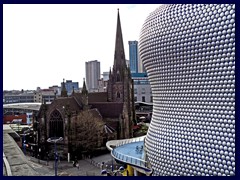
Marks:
<point>132,152</point>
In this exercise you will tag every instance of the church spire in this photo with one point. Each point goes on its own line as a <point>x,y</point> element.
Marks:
<point>73,92</point>
<point>119,56</point>
<point>64,90</point>
<point>84,89</point>
<point>84,95</point>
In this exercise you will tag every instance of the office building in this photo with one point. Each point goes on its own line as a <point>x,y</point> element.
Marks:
<point>92,75</point>
<point>142,88</point>
<point>133,56</point>
<point>70,86</point>
<point>20,97</point>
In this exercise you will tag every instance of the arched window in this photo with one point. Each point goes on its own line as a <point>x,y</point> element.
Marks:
<point>56,124</point>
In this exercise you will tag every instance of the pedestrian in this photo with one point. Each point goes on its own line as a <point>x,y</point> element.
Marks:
<point>47,158</point>
<point>102,165</point>
<point>77,165</point>
<point>75,162</point>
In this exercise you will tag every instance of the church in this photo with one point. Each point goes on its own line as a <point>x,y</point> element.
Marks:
<point>86,121</point>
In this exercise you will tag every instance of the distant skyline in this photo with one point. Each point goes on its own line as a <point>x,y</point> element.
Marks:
<point>46,43</point>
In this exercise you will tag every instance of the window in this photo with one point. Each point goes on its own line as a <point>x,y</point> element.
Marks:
<point>56,124</point>
<point>135,98</point>
<point>143,91</point>
<point>151,100</point>
<point>143,98</point>
<point>118,94</point>
<point>135,90</point>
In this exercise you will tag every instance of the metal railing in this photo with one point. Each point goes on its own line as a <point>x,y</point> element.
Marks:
<point>127,141</point>
<point>130,159</point>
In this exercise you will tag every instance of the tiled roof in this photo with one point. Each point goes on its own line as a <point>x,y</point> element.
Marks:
<point>97,97</point>
<point>61,102</point>
<point>92,97</point>
<point>113,124</point>
<point>108,109</point>
<point>95,113</point>
<point>78,97</point>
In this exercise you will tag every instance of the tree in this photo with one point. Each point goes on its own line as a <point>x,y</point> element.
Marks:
<point>88,131</point>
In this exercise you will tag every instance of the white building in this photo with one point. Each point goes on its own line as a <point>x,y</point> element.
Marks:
<point>92,75</point>
<point>142,88</point>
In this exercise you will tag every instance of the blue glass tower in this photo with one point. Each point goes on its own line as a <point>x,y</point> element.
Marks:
<point>133,56</point>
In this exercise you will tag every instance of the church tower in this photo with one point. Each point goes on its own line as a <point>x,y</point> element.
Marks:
<point>119,70</point>
<point>84,96</point>
<point>120,85</point>
<point>64,90</point>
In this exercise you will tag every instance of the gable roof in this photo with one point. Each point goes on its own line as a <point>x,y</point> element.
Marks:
<point>108,109</point>
<point>63,103</point>
<point>97,97</point>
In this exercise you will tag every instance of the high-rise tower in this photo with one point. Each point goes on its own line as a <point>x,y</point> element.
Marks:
<point>92,75</point>
<point>133,56</point>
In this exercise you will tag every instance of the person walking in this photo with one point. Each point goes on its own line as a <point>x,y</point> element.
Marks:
<point>47,158</point>
<point>102,164</point>
<point>77,165</point>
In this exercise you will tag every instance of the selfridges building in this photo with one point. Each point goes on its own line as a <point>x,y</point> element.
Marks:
<point>189,54</point>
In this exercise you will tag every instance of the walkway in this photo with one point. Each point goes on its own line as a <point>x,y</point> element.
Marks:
<point>17,164</point>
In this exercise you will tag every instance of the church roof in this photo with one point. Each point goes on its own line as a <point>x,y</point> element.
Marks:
<point>97,97</point>
<point>78,97</point>
<point>64,103</point>
<point>95,113</point>
<point>108,109</point>
<point>92,97</point>
<point>113,125</point>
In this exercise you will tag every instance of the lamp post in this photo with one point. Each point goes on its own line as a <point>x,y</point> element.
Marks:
<point>27,132</point>
<point>112,164</point>
<point>39,155</point>
<point>55,140</point>
<point>24,141</point>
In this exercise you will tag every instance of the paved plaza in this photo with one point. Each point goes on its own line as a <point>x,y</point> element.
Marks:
<point>15,163</point>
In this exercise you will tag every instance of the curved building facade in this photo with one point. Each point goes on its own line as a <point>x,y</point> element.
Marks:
<point>188,52</point>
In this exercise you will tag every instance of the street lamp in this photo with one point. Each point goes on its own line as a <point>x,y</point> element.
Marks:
<point>55,140</point>
<point>27,132</point>
<point>39,155</point>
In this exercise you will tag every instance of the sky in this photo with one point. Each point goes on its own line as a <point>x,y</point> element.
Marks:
<point>46,43</point>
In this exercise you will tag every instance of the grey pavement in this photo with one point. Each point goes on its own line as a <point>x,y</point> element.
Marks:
<point>21,165</point>
<point>14,159</point>
<point>65,168</point>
